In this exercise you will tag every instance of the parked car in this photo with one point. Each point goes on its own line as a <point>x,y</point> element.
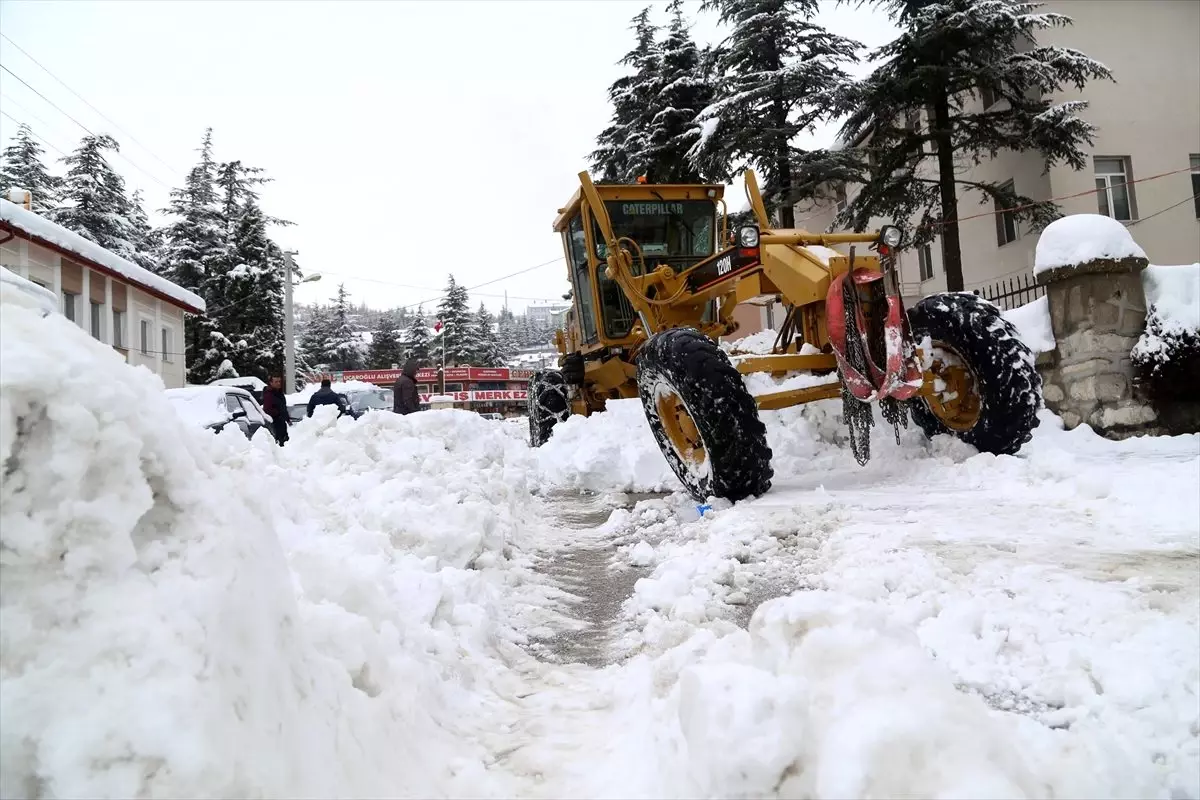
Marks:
<point>214,406</point>
<point>492,415</point>
<point>360,401</point>
<point>250,383</point>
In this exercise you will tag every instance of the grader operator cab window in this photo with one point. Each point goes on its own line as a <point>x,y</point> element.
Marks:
<point>581,277</point>
<point>677,232</point>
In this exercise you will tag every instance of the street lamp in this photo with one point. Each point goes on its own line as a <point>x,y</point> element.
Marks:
<point>289,344</point>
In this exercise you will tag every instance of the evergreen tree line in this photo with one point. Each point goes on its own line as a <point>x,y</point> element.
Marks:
<point>330,336</point>
<point>687,114</point>
<point>214,244</point>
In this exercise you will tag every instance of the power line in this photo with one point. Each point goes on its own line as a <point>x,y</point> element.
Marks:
<point>118,153</point>
<point>424,288</point>
<point>85,102</point>
<point>41,139</point>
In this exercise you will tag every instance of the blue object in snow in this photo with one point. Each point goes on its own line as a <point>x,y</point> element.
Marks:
<point>704,508</point>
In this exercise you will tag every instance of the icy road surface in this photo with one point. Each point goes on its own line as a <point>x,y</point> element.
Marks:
<point>426,607</point>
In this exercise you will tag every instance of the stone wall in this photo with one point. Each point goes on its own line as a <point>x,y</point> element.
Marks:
<point>1097,314</point>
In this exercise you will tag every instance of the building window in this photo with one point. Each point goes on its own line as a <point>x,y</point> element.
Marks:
<point>1006,219</point>
<point>168,348</point>
<point>929,118</point>
<point>70,306</point>
<point>96,308</point>
<point>1114,195</point>
<point>925,261</point>
<point>39,282</point>
<point>1196,183</point>
<point>118,329</point>
<point>912,120</point>
<point>840,193</point>
<point>145,337</point>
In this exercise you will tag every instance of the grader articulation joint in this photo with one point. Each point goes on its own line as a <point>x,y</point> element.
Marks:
<point>655,277</point>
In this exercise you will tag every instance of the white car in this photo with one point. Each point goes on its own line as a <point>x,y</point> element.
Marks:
<point>214,407</point>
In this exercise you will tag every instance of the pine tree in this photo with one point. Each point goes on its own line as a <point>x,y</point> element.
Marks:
<point>686,91</point>
<point>345,346</point>
<point>234,185</point>
<point>624,148</point>
<point>416,340</point>
<point>486,345</point>
<point>508,337</point>
<point>21,167</point>
<point>385,348</point>
<point>252,291</point>
<point>779,74</point>
<point>948,55</point>
<point>93,201</point>
<point>454,312</point>
<point>192,243</point>
<point>145,241</point>
<point>316,339</point>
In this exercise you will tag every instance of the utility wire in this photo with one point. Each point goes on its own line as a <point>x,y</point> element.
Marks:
<point>85,102</point>
<point>118,153</point>
<point>36,136</point>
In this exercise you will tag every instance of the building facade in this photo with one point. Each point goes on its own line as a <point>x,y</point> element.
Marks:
<point>497,390</point>
<point>1144,167</point>
<point>138,313</point>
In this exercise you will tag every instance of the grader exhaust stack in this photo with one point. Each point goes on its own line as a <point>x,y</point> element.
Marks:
<point>656,275</point>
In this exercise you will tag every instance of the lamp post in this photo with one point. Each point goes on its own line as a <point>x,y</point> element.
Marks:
<point>289,321</point>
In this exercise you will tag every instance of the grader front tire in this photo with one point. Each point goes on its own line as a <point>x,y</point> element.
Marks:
<point>702,416</point>
<point>547,403</point>
<point>992,390</point>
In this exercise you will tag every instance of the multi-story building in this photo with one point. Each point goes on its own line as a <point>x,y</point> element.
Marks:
<point>118,302</point>
<point>1143,169</point>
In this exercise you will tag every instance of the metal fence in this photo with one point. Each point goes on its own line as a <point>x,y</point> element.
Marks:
<point>1013,292</point>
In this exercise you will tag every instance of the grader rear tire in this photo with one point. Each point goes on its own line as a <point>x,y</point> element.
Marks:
<point>547,403</point>
<point>993,390</point>
<point>702,416</point>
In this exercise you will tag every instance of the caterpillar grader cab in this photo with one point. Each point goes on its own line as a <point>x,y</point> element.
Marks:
<point>656,272</point>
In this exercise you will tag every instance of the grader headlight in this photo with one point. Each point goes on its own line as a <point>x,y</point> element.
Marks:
<point>748,237</point>
<point>891,236</point>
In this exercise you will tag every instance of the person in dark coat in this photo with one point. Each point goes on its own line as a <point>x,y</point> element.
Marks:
<point>275,403</point>
<point>326,396</point>
<point>405,398</point>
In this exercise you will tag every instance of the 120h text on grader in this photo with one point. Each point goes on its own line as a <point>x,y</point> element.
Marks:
<point>655,275</point>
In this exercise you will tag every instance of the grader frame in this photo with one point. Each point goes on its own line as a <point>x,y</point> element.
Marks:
<point>638,314</point>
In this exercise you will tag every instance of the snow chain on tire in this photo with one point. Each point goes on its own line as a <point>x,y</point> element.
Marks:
<point>547,403</point>
<point>684,374</point>
<point>1008,383</point>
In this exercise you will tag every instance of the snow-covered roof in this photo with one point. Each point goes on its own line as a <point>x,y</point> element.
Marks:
<point>58,237</point>
<point>1080,238</point>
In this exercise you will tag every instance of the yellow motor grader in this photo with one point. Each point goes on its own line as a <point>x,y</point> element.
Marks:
<point>656,273</point>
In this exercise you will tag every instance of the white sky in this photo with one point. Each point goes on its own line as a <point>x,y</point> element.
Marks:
<point>406,139</point>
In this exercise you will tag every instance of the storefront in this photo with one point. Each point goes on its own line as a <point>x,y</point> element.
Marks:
<point>496,390</point>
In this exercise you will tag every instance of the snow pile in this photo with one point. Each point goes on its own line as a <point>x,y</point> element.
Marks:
<point>1080,238</point>
<point>1166,357</point>
<point>155,642</point>
<point>199,405</point>
<point>610,451</point>
<point>1173,293</point>
<point>57,236</point>
<point>1032,321</point>
<point>759,343</point>
<point>28,293</point>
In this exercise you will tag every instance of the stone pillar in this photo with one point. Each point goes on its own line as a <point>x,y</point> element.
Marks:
<point>1097,313</point>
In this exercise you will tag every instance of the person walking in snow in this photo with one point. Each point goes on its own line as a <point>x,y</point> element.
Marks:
<point>405,398</point>
<point>326,396</point>
<point>275,404</point>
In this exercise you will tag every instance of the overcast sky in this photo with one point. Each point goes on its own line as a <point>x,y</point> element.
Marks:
<point>407,140</point>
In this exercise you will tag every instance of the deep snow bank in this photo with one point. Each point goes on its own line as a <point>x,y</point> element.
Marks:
<point>155,641</point>
<point>1080,238</point>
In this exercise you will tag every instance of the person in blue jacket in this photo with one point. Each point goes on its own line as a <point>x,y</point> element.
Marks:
<point>326,396</point>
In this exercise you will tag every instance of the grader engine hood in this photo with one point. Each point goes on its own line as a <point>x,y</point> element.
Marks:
<point>721,266</point>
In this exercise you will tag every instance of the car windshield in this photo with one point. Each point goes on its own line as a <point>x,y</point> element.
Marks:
<point>379,398</point>
<point>674,229</point>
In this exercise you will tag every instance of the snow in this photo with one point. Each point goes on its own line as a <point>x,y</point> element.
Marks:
<point>823,253</point>
<point>249,380</point>
<point>199,405</point>
<point>1174,293</point>
<point>373,610</point>
<point>1080,238</point>
<point>29,294</point>
<point>1032,321</point>
<point>37,225</point>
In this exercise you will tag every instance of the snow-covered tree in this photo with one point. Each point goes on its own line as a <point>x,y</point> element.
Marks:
<point>21,167</point>
<point>385,348</point>
<point>345,347</point>
<point>507,334</point>
<point>623,149</point>
<point>779,73</point>
<point>486,344</point>
<point>417,340</point>
<point>454,312</point>
<point>252,291</point>
<point>145,240</point>
<point>951,58</point>
<point>93,201</point>
<point>316,338</point>
<point>686,89</point>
